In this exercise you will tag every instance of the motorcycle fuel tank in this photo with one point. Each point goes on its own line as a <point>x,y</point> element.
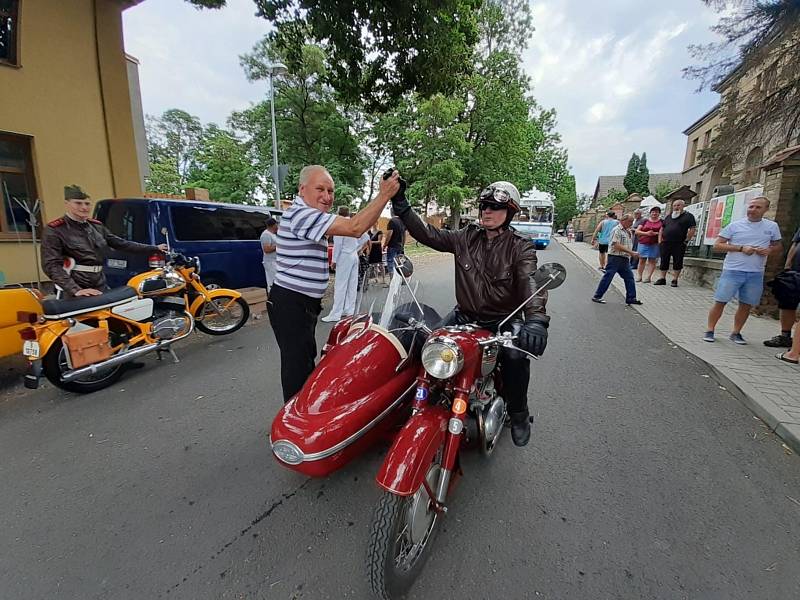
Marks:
<point>351,399</point>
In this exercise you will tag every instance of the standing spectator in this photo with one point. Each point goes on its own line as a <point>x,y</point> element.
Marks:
<point>395,241</point>
<point>602,235</point>
<point>619,261</point>
<point>679,228</point>
<point>747,242</point>
<point>788,306</point>
<point>302,277</point>
<point>376,264</point>
<point>269,246</point>
<point>638,219</point>
<point>570,232</point>
<point>346,264</point>
<point>648,232</point>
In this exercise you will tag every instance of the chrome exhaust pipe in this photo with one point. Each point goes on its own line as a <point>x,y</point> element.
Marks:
<point>125,357</point>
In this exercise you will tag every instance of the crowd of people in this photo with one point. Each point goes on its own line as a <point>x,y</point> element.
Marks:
<point>634,243</point>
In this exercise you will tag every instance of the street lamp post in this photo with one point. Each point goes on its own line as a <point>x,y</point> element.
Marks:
<point>275,69</point>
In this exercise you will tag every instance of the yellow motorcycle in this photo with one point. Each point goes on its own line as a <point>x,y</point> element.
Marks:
<point>83,344</point>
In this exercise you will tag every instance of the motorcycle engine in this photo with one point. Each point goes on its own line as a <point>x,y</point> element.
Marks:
<point>489,412</point>
<point>169,319</point>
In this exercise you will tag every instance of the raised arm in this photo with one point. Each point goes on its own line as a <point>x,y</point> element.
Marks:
<point>368,216</point>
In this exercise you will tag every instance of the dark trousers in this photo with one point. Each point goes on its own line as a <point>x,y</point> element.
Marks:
<point>618,265</point>
<point>293,317</point>
<point>674,250</point>
<point>515,368</point>
<point>635,261</point>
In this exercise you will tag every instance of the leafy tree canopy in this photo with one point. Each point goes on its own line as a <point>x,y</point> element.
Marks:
<point>754,36</point>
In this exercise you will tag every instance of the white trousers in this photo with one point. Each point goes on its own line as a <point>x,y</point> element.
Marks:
<point>345,286</point>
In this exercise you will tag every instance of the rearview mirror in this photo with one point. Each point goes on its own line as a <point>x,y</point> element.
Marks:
<point>403,264</point>
<point>550,275</point>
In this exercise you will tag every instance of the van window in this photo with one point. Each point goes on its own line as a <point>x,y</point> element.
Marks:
<point>195,223</point>
<point>125,219</point>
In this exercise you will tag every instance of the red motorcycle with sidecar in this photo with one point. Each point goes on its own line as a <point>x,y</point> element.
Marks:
<point>394,373</point>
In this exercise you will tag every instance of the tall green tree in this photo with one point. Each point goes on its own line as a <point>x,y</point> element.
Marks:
<point>312,127</point>
<point>379,49</point>
<point>566,201</point>
<point>631,181</point>
<point>222,166</point>
<point>643,176</point>
<point>172,143</point>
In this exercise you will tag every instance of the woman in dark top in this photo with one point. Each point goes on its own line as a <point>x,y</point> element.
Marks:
<point>376,264</point>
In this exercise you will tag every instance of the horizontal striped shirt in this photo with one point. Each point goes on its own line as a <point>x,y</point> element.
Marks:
<point>303,249</point>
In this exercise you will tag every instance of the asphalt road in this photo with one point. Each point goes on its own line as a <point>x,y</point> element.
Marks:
<point>643,479</point>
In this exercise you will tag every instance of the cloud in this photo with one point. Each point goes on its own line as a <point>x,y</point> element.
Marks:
<point>617,89</point>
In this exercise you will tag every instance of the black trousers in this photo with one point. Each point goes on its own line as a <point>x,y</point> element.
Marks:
<point>293,317</point>
<point>674,250</point>
<point>514,366</point>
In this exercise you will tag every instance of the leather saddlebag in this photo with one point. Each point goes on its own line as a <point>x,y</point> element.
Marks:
<point>87,347</point>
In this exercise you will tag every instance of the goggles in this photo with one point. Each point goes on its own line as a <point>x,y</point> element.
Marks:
<point>493,195</point>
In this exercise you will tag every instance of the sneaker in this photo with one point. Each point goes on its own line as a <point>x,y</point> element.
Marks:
<point>674,283</point>
<point>660,282</point>
<point>331,319</point>
<point>636,302</point>
<point>598,300</point>
<point>708,336</point>
<point>645,281</point>
<point>737,338</point>
<point>779,341</point>
<point>638,280</point>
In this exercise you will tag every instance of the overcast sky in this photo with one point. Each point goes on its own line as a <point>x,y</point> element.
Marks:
<point>612,71</point>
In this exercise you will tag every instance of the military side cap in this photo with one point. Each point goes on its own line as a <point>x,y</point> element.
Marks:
<point>74,192</point>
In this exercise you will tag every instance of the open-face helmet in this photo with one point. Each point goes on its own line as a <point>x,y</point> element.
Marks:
<point>500,195</point>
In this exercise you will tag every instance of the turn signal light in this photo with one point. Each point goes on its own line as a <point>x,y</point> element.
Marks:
<point>156,261</point>
<point>24,316</point>
<point>27,333</point>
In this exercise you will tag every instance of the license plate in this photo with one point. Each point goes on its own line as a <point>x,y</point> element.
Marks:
<point>116,263</point>
<point>30,348</point>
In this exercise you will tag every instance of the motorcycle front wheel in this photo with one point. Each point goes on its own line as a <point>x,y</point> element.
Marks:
<point>55,363</point>
<point>403,530</point>
<point>223,315</point>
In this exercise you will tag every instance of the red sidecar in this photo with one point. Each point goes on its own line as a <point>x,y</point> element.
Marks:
<point>361,388</point>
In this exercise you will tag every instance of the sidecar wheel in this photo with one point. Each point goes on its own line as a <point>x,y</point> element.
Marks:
<point>402,534</point>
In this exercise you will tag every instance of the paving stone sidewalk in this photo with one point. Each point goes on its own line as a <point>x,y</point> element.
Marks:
<point>768,387</point>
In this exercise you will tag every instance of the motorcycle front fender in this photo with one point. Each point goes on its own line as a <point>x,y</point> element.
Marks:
<point>210,295</point>
<point>413,449</point>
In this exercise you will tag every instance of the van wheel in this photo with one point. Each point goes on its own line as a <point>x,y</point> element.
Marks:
<point>54,364</point>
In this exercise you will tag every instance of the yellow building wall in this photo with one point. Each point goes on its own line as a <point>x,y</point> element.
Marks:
<point>70,94</point>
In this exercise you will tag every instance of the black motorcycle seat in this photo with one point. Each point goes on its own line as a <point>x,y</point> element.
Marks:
<point>59,309</point>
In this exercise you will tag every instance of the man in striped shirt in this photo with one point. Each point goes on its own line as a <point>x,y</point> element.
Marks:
<point>302,275</point>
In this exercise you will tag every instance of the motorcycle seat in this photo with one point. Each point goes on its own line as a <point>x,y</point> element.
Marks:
<point>68,307</point>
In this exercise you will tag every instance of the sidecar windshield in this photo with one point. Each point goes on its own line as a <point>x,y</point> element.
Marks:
<point>390,303</point>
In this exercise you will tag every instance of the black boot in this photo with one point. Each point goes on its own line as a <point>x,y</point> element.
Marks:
<point>521,427</point>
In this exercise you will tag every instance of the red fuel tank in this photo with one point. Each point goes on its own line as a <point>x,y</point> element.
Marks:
<point>351,399</point>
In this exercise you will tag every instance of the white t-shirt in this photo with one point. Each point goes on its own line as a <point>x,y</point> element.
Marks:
<point>744,232</point>
<point>269,260</point>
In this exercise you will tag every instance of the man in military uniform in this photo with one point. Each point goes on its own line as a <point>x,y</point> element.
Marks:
<point>73,247</point>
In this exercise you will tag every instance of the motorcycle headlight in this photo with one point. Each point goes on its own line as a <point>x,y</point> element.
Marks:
<point>442,357</point>
<point>288,452</point>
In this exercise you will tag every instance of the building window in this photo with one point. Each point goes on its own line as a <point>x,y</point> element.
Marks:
<point>693,156</point>
<point>17,186</point>
<point>752,166</point>
<point>707,139</point>
<point>9,31</point>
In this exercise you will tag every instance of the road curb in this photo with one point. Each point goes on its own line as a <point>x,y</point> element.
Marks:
<point>771,414</point>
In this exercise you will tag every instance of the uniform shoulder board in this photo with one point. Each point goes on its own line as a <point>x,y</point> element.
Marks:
<point>56,222</point>
<point>95,221</point>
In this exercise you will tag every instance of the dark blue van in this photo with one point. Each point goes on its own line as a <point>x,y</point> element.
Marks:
<point>224,236</point>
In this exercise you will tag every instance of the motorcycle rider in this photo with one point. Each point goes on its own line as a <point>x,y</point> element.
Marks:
<point>494,274</point>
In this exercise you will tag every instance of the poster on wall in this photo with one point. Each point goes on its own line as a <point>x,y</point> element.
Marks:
<point>723,210</point>
<point>698,212</point>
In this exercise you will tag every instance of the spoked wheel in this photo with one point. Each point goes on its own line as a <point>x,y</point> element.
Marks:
<point>223,315</point>
<point>402,533</point>
<point>54,364</point>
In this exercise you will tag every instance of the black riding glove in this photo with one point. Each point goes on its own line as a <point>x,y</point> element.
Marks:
<point>400,205</point>
<point>533,335</point>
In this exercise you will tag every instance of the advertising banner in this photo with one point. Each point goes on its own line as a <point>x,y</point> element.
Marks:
<point>697,210</point>
<point>723,210</point>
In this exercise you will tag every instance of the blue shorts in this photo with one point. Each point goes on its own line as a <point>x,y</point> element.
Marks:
<point>747,285</point>
<point>648,250</point>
